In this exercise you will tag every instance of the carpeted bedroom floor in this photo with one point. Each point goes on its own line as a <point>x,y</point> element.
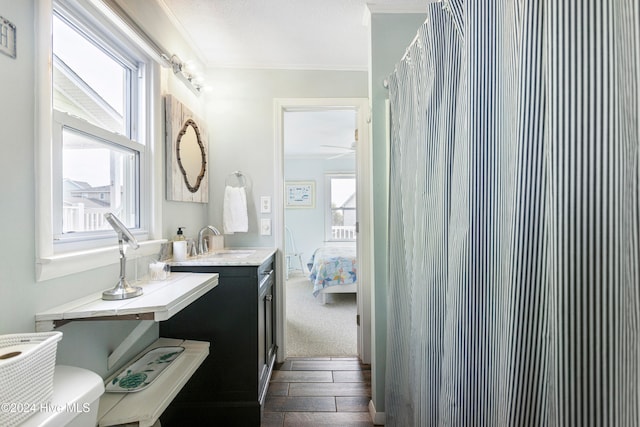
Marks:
<point>315,329</point>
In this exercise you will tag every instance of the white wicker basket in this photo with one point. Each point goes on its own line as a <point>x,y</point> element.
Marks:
<point>27,363</point>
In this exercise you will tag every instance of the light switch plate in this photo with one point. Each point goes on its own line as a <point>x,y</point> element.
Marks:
<point>265,226</point>
<point>265,204</point>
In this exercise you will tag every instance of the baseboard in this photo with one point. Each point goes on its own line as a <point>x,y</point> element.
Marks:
<point>378,418</point>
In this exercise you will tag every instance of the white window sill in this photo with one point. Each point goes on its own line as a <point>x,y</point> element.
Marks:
<point>75,262</point>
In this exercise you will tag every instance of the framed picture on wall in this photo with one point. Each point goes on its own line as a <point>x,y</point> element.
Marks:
<point>300,194</point>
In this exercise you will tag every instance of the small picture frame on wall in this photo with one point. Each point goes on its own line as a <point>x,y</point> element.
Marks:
<point>300,194</point>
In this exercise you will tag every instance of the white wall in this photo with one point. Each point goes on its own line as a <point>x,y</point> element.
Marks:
<point>192,216</point>
<point>152,20</point>
<point>308,225</point>
<point>18,290</point>
<point>390,36</point>
<point>241,115</point>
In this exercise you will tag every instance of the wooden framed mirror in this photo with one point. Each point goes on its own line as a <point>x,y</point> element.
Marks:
<point>187,151</point>
<point>191,156</point>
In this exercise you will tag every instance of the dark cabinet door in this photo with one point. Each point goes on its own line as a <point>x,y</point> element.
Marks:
<point>268,327</point>
<point>262,359</point>
<point>270,322</point>
<point>265,331</point>
<point>237,318</point>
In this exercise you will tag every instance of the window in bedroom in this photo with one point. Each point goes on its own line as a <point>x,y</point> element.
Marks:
<point>341,209</point>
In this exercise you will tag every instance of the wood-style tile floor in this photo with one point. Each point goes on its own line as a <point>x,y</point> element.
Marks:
<point>326,391</point>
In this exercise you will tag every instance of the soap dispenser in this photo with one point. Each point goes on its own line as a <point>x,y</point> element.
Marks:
<point>179,235</point>
<point>179,246</point>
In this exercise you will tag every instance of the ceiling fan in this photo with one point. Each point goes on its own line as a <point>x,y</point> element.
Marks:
<point>348,150</point>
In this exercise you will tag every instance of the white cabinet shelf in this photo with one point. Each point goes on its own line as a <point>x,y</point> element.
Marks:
<point>160,301</point>
<point>145,407</point>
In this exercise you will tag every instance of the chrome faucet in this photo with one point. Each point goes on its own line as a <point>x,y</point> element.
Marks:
<point>202,245</point>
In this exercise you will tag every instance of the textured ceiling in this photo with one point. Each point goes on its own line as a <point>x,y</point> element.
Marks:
<point>293,34</point>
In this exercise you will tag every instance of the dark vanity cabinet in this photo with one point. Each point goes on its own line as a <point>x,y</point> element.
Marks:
<point>238,319</point>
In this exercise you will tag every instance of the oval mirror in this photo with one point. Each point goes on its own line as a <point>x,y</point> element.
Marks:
<point>191,156</point>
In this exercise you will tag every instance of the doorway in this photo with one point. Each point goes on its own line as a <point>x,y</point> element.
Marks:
<point>320,239</point>
<point>314,164</point>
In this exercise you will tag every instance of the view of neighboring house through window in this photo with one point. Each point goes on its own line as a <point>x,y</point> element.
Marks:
<point>97,179</point>
<point>342,208</point>
<point>96,100</point>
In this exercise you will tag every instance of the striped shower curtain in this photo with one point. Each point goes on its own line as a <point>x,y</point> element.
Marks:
<point>513,293</point>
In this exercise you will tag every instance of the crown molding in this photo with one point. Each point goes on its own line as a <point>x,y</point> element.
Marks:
<point>400,7</point>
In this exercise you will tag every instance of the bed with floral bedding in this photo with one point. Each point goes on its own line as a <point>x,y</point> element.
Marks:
<point>333,269</point>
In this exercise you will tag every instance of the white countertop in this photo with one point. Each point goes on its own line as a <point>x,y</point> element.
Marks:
<point>229,257</point>
<point>160,300</point>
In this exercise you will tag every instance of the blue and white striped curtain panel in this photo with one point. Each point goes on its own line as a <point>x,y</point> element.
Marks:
<point>513,293</point>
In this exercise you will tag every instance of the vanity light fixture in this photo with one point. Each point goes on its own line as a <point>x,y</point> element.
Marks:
<point>122,290</point>
<point>180,69</point>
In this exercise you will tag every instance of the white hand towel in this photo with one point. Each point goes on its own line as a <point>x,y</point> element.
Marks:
<point>234,214</point>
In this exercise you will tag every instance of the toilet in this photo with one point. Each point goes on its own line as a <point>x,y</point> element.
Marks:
<point>75,401</point>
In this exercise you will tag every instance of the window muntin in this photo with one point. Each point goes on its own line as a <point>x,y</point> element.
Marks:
<point>98,177</point>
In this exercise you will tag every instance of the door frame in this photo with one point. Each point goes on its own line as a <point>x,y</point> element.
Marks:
<point>365,209</point>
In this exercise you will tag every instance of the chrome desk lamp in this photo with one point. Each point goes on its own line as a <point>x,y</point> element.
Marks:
<point>122,290</point>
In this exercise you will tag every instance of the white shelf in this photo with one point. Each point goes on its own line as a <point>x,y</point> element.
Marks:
<point>160,301</point>
<point>145,407</point>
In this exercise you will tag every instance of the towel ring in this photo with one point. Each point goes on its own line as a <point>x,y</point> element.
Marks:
<point>235,179</point>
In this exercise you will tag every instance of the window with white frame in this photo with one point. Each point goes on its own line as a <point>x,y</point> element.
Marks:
<point>341,209</point>
<point>99,156</point>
